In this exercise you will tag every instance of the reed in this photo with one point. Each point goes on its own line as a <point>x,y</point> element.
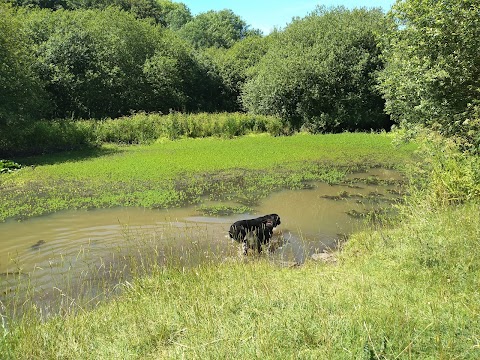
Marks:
<point>42,137</point>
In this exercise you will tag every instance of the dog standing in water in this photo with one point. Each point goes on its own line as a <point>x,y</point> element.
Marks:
<point>261,228</point>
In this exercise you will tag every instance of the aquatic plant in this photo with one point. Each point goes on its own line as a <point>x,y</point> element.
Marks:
<point>7,166</point>
<point>173,173</point>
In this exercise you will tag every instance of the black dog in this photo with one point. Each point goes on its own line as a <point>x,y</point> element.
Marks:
<point>261,228</point>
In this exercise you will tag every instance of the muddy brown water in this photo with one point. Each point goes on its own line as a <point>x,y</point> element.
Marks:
<point>94,249</point>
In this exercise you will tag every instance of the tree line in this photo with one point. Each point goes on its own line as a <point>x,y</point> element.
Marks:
<point>333,70</point>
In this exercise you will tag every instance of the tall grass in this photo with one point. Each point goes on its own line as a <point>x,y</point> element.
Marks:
<point>406,292</point>
<point>447,175</point>
<point>43,137</point>
<point>145,128</point>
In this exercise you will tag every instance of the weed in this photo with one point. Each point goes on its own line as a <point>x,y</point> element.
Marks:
<point>8,166</point>
<point>224,210</point>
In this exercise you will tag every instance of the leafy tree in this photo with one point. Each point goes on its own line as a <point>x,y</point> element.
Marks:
<point>207,91</point>
<point>171,74</point>
<point>21,93</point>
<point>142,9</point>
<point>165,12</point>
<point>320,72</point>
<point>432,74</point>
<point>107,63</point>
<point>42,4</point>
<point>234,65</point>
<point>174,14</point>
<point>216,28</point>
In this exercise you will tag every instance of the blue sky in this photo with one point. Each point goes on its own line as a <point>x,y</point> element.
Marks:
<point>267,14</point>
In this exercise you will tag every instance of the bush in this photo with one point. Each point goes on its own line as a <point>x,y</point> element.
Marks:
<point>445,175</point>
<point>41,137</point>
<point>432,72</point>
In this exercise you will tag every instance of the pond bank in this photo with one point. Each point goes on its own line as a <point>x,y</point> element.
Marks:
<point>395,293</point>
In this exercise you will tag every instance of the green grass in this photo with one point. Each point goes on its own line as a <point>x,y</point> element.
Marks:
<point>409,291</point>
<point>173,173</point>
<point>404,293</point>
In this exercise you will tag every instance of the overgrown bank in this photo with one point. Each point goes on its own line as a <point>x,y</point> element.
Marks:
<point>173,173</point>
<point>406,293</point>
<point>409,292</point>
<point>49,136</point>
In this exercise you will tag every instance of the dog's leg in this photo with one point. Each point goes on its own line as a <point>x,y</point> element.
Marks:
<point>244,247</point>
<point>259,246</point>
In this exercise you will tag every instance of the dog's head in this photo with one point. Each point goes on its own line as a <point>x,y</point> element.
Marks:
<point>272,220</point>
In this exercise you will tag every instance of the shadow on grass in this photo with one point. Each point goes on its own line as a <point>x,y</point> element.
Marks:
<point>67,156</point>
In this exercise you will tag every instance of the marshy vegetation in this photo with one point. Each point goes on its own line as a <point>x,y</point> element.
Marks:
<point>408,290</point>
<point>50,136</point>
<point>173,173</point>
<point>221,120</point>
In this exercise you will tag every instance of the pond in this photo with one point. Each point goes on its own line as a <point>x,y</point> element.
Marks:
<point>73,252</point>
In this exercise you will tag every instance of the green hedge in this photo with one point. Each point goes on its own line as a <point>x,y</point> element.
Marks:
<point>50,136</point>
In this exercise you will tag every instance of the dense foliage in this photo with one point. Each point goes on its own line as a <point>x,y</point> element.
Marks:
<point>331,71</point>
<point>20,88</point>
<point>166,12</point>
<point>432,74</point>
<point>319,72</point>
<point>216,28</point>
<point>236,64</point>
<point>107,63</point>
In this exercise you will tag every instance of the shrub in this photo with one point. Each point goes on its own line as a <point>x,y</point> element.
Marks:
<point>432,72</point>
<point>445,175</point>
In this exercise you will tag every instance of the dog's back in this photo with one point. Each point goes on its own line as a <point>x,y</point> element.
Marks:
<point>261,226</point>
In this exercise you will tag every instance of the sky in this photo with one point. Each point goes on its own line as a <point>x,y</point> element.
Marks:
<point>268,14</point>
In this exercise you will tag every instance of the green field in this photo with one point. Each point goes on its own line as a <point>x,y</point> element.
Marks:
<point>174,173</point>
<point>409,291</point>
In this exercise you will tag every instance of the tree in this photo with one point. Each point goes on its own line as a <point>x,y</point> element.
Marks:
<point>320,72</point>
<point>432,73</point>
<point>98,63</point>
<point>234,65</point>
<point>175,15</point>
<point>42,4</point>
<point>165,12</point>
<point>21,93</point>
<point>220,29</point>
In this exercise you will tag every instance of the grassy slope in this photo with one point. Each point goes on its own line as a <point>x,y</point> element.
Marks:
<point>406,293</point>
<point>170,173</point>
